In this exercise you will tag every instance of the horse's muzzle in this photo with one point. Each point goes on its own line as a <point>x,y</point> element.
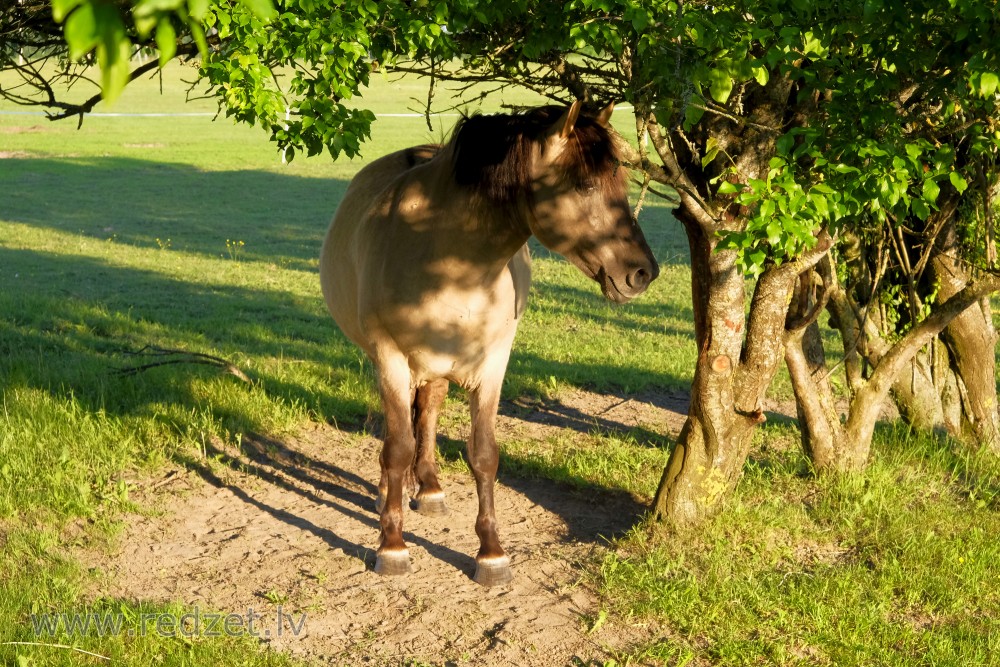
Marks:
<point>632,283</point>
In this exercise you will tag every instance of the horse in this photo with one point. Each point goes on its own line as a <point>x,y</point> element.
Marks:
<point>425,267</point>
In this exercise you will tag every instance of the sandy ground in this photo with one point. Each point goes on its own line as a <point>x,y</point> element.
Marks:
<point>291,524</point>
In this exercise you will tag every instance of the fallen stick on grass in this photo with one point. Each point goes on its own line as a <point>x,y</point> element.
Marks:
<point>179,357</point>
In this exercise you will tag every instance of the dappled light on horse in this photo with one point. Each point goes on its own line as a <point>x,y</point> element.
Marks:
<point>425,267</point>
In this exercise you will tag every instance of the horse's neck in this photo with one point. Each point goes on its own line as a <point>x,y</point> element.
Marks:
<point>493,234</point>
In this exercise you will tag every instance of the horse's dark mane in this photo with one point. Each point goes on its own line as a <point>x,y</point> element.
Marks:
<point>492,153</point>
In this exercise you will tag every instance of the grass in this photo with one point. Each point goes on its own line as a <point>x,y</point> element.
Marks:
<point>188,234</point>
<point>895,567</point>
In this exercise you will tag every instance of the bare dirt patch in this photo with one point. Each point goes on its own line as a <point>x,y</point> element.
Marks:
<point>292,523</point>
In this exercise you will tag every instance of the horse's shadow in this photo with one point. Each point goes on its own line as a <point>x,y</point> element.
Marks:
<point>591,512</point>
<point>321,483</point>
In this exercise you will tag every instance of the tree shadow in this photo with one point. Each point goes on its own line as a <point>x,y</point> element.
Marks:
<point>70,318</point>
<point>279,218</point>
<point>592,512</point>
<point>554,412</point>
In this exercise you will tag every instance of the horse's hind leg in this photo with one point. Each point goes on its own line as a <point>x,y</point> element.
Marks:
<point>396,458</point>
<point>492,564</point>
<point>429,499</point>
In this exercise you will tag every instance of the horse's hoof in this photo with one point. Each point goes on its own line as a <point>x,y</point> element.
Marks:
<point>431,504</point>
<point>493,571</point>
<point>393,563</point>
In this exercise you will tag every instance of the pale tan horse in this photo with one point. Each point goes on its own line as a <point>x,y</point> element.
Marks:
<point>425,267</point>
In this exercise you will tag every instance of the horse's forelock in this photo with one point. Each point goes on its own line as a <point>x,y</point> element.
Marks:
<point>493,153</point>
<point>592,157</point>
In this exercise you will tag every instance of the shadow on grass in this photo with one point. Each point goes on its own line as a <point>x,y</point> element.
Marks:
<point>556,413</point>
<point>70,318</point>
<point>279,218</point>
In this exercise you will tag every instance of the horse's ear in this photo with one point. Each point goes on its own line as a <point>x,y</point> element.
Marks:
<point>604,118</point>
<point>564,126</point>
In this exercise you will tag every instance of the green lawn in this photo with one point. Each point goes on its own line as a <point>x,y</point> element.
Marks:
<point>184,233</point>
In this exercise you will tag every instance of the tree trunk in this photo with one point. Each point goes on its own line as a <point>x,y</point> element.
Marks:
<point>712,445</point>
<point>917,391</point>
<point>733,372</point>
<point>835,445</point>
<point>971,339</point>
<point>824,439</point>
<point>950,385</point>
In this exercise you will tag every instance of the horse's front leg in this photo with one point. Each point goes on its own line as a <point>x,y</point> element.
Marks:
<point>396,458</point>
<point>492,563</point>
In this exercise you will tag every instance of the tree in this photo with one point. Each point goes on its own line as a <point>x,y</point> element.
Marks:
<point>788,129</point>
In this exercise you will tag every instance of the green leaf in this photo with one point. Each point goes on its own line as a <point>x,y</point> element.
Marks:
<point>640,19</point>
<point>920,209</point>
<point>711,151</point>
<point>766,208</point>
<point>727,188</point>
<point>720,85</point>
<point>931,190</point>
<point>762,75</point>
<point>197,9</point>
<point>113,56</point>
<point>61,8</point>
<point>692,115</point>
<point>153,7</point>
<point>785,143</point>
<point>958,181</point>
<point>166,41</point>
<point>199,38</point>
<point>820,204</point>
<point>773,232</point>
<point>812,45</point>
<point>81,31</point>
<point>988,82</point>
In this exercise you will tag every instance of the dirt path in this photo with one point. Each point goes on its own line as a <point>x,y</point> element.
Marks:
<point>292,524</point>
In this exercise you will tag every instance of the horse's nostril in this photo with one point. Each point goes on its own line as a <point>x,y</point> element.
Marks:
<point>638,279</point>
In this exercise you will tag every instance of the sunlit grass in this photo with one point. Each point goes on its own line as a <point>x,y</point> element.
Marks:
<point>894,567</point>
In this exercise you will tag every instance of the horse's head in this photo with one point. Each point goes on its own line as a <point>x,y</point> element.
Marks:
<point>579,205</point>
<point>556,172</point>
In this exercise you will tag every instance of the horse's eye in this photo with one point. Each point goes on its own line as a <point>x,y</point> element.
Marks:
<point>586,187</point>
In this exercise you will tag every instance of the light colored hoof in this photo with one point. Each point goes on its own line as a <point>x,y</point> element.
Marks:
<point>431,504</point>
<point>393,563</point>
<point>493,571</point>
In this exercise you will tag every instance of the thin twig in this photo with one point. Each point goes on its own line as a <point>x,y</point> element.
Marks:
<point>642,197</point>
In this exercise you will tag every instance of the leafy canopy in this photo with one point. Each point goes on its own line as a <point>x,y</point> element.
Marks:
<point>777,117</point>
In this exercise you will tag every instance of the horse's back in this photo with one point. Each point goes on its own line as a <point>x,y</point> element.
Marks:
<point>369,191</point>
